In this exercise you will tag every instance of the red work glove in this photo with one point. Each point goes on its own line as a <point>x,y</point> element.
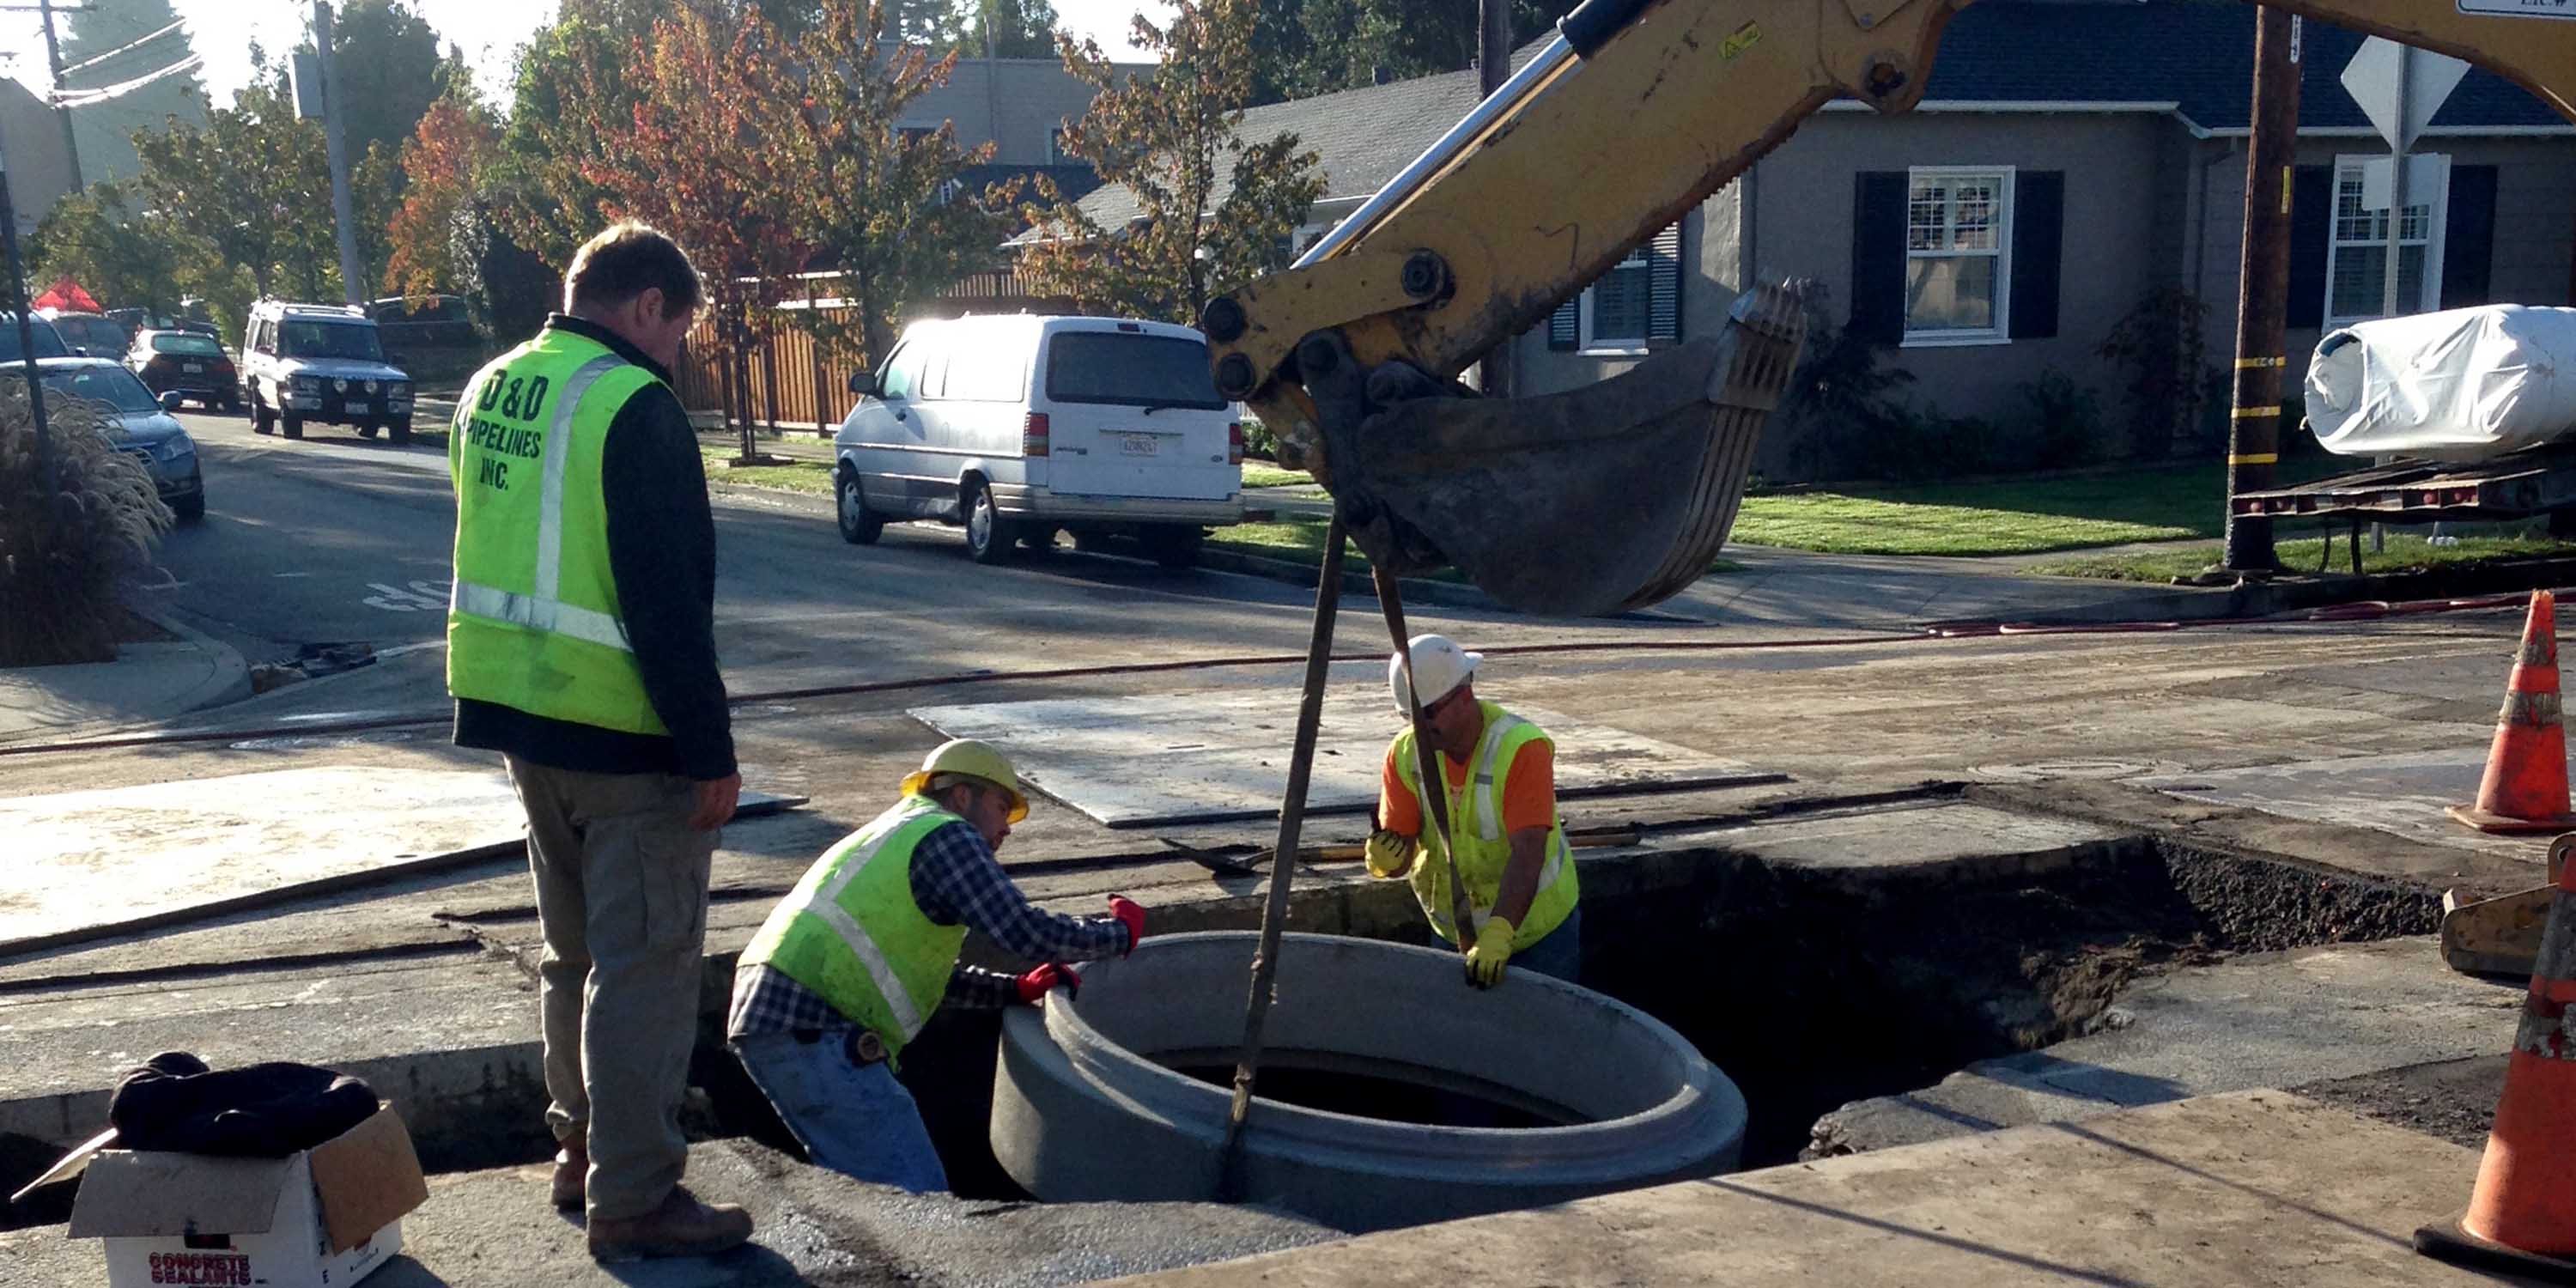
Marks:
<point>1042,981</point>
<point>1131,912</point>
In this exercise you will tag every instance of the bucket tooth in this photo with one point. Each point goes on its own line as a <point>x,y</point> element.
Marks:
<point>1593,501</point>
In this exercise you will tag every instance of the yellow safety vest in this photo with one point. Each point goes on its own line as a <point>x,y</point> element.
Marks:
<point>533,621</point>
<point>852,935</point>
<point>1477,839</point>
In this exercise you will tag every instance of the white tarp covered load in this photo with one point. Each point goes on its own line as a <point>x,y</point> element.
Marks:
<point>2459,385</point>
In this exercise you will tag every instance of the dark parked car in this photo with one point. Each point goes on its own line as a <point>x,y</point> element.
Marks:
<point>190,363</point>
<point>89,334</point>
<point>47,342</point>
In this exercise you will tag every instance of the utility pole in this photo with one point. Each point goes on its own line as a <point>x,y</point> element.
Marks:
<point>54,60</point>
<point>351,285</point>
<point>1493,67</point>
<point>26,339</point>
<point>2262,291</point>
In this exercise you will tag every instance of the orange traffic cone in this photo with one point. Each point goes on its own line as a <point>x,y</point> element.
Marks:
<point>2521,1216</point>
<point>2525,788</point>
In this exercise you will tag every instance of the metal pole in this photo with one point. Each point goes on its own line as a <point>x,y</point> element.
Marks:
<point>2390,302</point>
<point>1426,759</point>
<point>1292,819</point>
<point>2262,290</point>
<point>26,340</point>
<point>351,283</point>
<point>1494,64</point>
<point>54,59</point>
<point>2390,305</point>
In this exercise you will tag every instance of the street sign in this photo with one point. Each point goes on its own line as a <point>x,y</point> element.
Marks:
<point>2521,8</point>
<point>2426,173</point>
<point>2372,80</point>
<point>304,74</point>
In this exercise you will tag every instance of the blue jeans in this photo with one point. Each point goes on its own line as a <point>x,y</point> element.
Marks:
<point>852,1118</point>
<point>1560,954</point>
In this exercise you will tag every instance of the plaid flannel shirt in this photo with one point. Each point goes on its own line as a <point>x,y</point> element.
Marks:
<point>956,880</point>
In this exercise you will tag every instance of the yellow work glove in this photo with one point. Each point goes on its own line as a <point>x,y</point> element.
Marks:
<point>1389,854</point>
<point>1493,948</point>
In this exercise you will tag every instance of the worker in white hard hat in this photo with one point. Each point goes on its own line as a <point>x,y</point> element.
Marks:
<point>853,962</point>
<point>1504,831</point>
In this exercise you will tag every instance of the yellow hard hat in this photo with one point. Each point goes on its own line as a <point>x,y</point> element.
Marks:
<point>975,760</point>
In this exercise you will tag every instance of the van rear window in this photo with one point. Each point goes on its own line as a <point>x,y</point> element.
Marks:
<point>1130,370</point>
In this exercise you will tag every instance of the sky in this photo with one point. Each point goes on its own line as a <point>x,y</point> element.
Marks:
<point>488,30</point>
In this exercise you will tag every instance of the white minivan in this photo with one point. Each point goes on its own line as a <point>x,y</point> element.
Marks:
<point>1017,426</point>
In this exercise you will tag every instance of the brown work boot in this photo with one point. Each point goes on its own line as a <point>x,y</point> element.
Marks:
<point>572,1172</point>
<point>681,1227</point>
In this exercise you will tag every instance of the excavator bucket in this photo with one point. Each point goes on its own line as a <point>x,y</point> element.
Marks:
<point>1589,502</point>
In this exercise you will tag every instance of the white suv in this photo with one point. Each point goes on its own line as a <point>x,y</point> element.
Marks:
<point>307,362</point>
<point>1015,426</point>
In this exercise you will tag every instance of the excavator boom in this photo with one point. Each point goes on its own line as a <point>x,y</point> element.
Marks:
<point>1617,496</point>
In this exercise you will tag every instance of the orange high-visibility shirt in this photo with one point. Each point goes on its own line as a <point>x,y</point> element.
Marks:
<point>1529,791</point>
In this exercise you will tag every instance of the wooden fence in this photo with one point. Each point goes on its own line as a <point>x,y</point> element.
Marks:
<point>783,382</point>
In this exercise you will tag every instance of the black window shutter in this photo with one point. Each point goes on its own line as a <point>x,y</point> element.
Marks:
<point>2038,240</point>
<point>1664,285</point>
<point>2468,236</point>
<point>2312,198</point>
<point>1878,255</point>
<point>1562,323</point>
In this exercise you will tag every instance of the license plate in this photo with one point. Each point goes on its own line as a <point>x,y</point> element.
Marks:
<point>192,368</point>
<point>1140,444</point>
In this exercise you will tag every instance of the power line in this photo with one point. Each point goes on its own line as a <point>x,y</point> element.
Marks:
<point>100,58</point>
<point>103,93</point>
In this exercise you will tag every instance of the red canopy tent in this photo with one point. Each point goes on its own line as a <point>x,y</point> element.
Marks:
<point>67,294</point>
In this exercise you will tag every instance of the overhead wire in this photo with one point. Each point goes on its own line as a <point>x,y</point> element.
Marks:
<point>104,93</point>
<point>96,59</point>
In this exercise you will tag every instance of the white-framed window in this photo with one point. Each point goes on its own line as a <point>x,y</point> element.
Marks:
<point>2357,252</point>
<point>1958,255</point>
<point>1617,312</point>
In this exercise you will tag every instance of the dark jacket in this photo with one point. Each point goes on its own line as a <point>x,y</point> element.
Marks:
<point>662,550</point>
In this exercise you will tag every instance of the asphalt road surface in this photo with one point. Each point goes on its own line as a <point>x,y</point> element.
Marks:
<point>335,538</point>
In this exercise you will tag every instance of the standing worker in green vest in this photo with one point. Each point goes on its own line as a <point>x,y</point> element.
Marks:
<point>581,646</point>
<point>852,963</point>
<point>1504,831</point>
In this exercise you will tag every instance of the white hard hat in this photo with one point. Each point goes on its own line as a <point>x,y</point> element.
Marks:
<point>1440,663</point>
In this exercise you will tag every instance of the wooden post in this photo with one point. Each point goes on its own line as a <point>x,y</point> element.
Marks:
<point>2262,292</point>
<point>1496,370</point>
<point>814,350</point>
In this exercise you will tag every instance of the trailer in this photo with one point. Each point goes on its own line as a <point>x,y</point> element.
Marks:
<point>2518,485</point>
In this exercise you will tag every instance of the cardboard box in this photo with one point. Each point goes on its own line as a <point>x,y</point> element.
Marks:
<point>320,1219</point>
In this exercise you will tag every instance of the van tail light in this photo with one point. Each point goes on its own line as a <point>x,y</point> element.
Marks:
<point>1033,435</point>
<point>1234,443</point>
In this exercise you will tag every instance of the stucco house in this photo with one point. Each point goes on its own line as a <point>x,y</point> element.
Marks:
<point>2069,157</point>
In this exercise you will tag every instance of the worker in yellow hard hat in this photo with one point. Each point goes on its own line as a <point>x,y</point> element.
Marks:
<point>1504,831</point>
<point>854,961</point>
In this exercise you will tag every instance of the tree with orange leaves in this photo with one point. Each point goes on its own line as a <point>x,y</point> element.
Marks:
<point>438,232</point>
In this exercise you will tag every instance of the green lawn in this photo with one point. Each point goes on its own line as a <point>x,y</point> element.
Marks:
<point>812,477</point>
<point>2159,503</point>
<point>1262,474</point>
<point>2407,551</point>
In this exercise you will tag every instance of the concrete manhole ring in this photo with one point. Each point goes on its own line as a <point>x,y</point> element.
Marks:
<point>2073,767</point>
<point>1087,1107</point>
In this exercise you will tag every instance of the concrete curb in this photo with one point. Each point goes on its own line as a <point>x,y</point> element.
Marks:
<point>1444,594</point>
<point>231,679</point>
<point>2291,593</point>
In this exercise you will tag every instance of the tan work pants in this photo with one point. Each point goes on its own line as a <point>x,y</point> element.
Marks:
<point>622,893</point>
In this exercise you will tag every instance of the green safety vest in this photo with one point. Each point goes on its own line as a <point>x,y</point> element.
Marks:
<point>1477,839</point>
<point>852,935</point>
<point>533,621</point>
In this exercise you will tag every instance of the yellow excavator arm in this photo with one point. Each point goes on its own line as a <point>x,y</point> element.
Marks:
<point>1617,495</point>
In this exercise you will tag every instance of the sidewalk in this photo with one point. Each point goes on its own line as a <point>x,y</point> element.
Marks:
<point>146,683</point>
